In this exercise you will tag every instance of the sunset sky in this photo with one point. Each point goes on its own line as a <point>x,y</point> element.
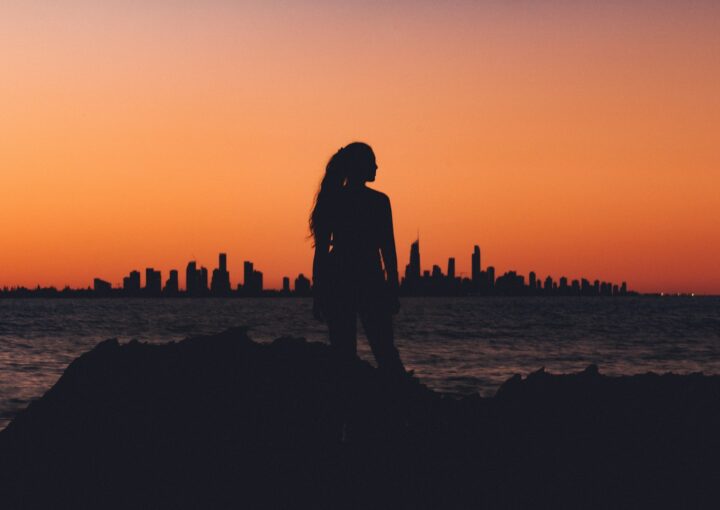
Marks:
<point>569,138</point>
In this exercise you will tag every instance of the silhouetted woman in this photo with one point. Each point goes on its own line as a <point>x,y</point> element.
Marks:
<point>355,264</point>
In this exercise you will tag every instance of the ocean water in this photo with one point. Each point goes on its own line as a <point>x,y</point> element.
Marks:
<point>455,345</point>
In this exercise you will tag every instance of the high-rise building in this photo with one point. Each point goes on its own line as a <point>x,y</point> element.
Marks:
<point>451,268</point>
<point>101,286</point>
<point>247,274</point>
<point>252,280</point>
<point>286,285</point>
<point>548,283</point>
<point>491,276</point>
<point>532,280</point>
<point>302,285</point>
<point>220,284</point>
<point>172,285</point>
<point>203,285</point>
<point>131,283</point>
<point>248,278</point>
<point>412,270</point>
<point>192,279</point>
<point>412,281</point>
<point>437,272</point>
<point>153,282</point>
<point>476,277</point>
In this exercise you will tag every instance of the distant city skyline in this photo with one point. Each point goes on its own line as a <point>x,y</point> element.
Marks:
<point>417,281</point>
<point>431,281</point>
<point>414,281</point>
<point>196,282</point>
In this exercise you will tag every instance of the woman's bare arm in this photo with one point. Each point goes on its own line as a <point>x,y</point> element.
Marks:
<point>322,248</point>
<point>387,249</point>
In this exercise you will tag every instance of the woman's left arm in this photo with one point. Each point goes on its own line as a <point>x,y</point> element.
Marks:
<point>389,256</point>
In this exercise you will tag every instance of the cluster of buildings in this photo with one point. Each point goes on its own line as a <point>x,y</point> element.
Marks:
<point>483,282</point>
<point>197,283</point>
<point>416,282</point>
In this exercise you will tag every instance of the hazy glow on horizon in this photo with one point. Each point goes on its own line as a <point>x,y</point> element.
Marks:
<point>567,138</point>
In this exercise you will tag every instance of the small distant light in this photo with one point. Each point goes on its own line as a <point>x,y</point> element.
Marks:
<point>692,295</point>
<point>662,294</point>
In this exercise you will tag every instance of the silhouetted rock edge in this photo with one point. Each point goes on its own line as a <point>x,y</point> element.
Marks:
<point>222,421</point>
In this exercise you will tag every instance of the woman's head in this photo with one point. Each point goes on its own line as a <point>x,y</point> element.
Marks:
<point>358,160</point>
<point>351,165</point>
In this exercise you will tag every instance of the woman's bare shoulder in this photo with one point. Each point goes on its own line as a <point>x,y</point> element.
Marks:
<point>378,196</point>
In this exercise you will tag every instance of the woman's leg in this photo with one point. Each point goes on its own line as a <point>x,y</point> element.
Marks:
<point>379,331</point>
<point>342,326</point>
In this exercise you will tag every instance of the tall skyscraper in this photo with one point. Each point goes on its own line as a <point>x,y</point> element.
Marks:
<point>533,279</point>
<point>252,280</point>
<point>192,279</point>
<point>248,275</point>
<point>451,268</point>
<point>153,282</point>
<point>412,271</point>
<point>220,284</point>
<point>131,283</point>
<point>476,266</point>
<point>203,286</point>
<point>172,285</point>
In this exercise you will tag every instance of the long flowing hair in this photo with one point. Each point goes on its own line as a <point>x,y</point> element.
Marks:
<point>347,163</point>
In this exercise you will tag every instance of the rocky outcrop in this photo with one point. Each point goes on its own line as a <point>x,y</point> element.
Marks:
<point>224,422</point>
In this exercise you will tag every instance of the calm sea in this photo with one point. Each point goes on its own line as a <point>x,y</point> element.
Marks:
<point>457,345</point>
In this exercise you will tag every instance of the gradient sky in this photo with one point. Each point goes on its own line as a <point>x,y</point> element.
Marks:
<point>569,138</point>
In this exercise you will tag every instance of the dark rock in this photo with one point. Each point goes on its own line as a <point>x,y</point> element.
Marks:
<point>221,421</point>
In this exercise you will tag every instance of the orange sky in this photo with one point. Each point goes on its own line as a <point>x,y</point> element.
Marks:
<point>566,138</point>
